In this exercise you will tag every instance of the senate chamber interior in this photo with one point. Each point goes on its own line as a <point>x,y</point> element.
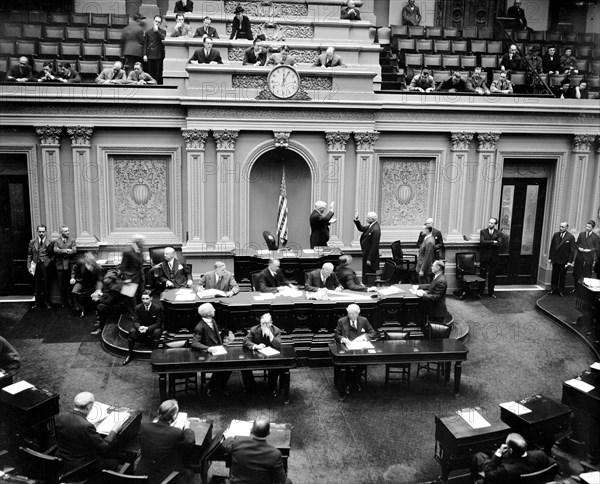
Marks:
<point>373,223</point>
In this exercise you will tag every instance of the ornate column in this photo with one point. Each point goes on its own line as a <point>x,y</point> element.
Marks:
<point>84,175</point>
<point>455,174</point>
<point>195,141</point>
<point>334,180</point>
<point>582,145</point>
<point>365,176</point>
<point>596,182</point>
<point>488,175</point>
<point>227,184</point>
<point>51,178</point>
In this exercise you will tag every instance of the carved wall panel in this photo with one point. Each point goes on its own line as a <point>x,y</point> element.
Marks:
<point>276,32</point>
<point>260,82</point>
<point>269,9</point>
<point>306,56</point>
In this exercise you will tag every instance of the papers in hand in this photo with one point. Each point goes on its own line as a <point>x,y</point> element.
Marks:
<point>211,293</point>
<point>473,418</point>
<point>360,345</point>
<point>268,351</point>
<point>580,385</point>
<point>218,350</point>
<point>240,428</point>
<point>98,412</point>
<point>180,421</point>
<point>515,408</point>
<point>17,387</point>
<point>129,289</point>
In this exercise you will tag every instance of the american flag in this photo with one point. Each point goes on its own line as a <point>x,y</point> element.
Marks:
<point>282,213</point>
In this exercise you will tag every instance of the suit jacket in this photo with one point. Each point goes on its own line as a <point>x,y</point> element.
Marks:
<point>72,77</point>
<point>411,17</point>
<point>438,241</point>
<point>132,41</point>
<point>153,43</point>
<point>591,242</point>
<point>426,256</point>
<point>181,274</point>
<point>111,75</point>
<point>213,56</point>
<point>61,258</point>
<point>78,441</point>
<point>184,31</point>
<point>254,461</point>
<point>319,228</point>
<point>344,330</point>
<point>348,278</point>
<point>132,265</point>
<point>180,7</point>
<point>212,32</point>
<point>226,282</point>
<point>241,31</point>
<point>369,242</point>
<point>314,281</point>
<point>161,451</point>
<point>489,251</point>
<point>255,337</point>
<point>446,85</point>
<point>10,361</point>
<point>563,249</point>
<point>19,72</point>
<point>519,15</point>
<point>205,337</point>
<point>277,60</point>
<point>250,57</point>
<point>152,318</point>
<point>436,296</point>
<point>336,61</point>
<point>89,279</point>
<point>135,77</point>
<point>551,63</point>
<point>33,252</point>
<point>267,283</point>
<point>507,470</point>
<point>513,64</point>
<point>347,15</point>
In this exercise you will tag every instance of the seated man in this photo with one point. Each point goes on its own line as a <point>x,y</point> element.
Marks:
<point>283,58</point>
<point>10,362</point>
<point>207,337</point>
<point>47,74</point>
<point>348,278</point>
<point>435,293</point>
<point>181,29</point>
<point>255,55</point>
<point>502,85</point>
<point>86,279</point>
<point>171,273</point>
<point>453,84</point>
<point>322,279</point>
<point>329,59</point>
<point>206,30</point>
<point>478,82</point>
<point>20,72</point>
<point>423,82</point>
<point>77,439</point>
<point>271,279</point>
<point>207,55</point>
<point>162,446</point>
<point>350,12</point>
<point>253,460</point>
<point>147,325</point>
<point>138,76</point>
<point>259,337</point>
<point>568,63</point>
<point>510,461</point>
<point>220,279</point>
<point>112,75</point>
<point>67,74</point>
<point>241,28</point>
<point>350,328</point>
<point>110,300</point>
<point>511,61</point>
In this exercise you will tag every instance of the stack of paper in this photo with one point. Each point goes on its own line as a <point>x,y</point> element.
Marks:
<point>240,428</point>
<point>268,351</point>
<point>580,385</point>
<point>17,387</point>
<point>218,350</point>
<point>98,412</point>
<point>473,418</point>
<point>388,291</point>
<point>515,408</point>
<point>360,345</point>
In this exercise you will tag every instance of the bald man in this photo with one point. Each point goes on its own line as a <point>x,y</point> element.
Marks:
<point>320,219</point>
<point>369,243</point>
<point>329,59</point>
<point>322,279</point>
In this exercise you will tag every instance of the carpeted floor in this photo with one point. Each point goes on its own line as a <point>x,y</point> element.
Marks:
<point>380,436</point>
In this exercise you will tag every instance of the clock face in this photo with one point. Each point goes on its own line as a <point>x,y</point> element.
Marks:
<point>283,82</point>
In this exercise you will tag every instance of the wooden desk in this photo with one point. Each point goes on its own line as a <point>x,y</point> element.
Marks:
<point>203,435</point>
<point>404,351</point>
<point>184,360</point>
<point>456,441</point>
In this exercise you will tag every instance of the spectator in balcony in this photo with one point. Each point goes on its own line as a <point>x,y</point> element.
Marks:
<point>184,6</point>
<point>350,12</point>
<point>581,91</point>
<point>67,74</point>
<point>283,58</point>
<point>422,82</point>
<point>138,76</point>
<point>182,28</point>
<point>20,72</point>
<point>112,75</point>
<point>241,28</point>
<point>502,85</point>
<point>511,61</point>
<point>47,74</point>
<point>329,59</point>
<point>455,83</point>
<point>255,55</point>
<point>411,14</point>
<point>132,41</point>
<point>533,56</point>
<point>568,63</point>
<point>154,50</point>
<point>207,55</point>
<point>206,30</point>
<point>562,91</point>
<point>478,82</point>
<point>517,13</point>
<point>551,61</point>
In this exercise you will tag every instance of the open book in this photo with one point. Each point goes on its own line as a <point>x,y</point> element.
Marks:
<point>360,345</point>
<point>211,293</point>
<point>104,417</point>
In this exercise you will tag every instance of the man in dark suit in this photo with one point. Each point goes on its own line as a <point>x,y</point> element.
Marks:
<point>329,59</point>
<point>206,30</point>
<point>562,256</point>
<point>490,240</point>
<point>518,14</point>
<point>255,55</point>
<point>322,279</point>
<point>320,220</point>
<point>347,276</point>
<point>171,273</point>
<point>551,61</point>
<point>154,50</point>
<point>110,300</point>
<point>132,41</point>
<point>241,28</point>
<point>64,249</point>
<point>353,328</point>
<point>131,268</point>
<point>369,243</point>
<point>271,278</point>
<point>147,325</point>
<point>162,446</point>
<point>350,12</point>
<point>77,439</point>
<point>20,72</point>
<point>438,240</point>
<point>435,293</point>
<point>10,362</point>
<point>220,279</point>
<point>588,246</point>
<point>208,337</point>
<point>39,258</point>
<point>426,256</point>
<point>259,337</point>
<point>86,279</point>
<point>511,61</point>
<point>183,6</point>
<point>206,55</point>
<point>510,461</point>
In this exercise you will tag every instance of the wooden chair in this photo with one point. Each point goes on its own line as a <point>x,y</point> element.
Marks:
<point>540,477</point>
<point>435,331</point>
<point>48,468</point>
<point>402,369</point>
<point>466,268</point>
<point>119,20</point>
<point>405,263</point>
<point>387,274</point>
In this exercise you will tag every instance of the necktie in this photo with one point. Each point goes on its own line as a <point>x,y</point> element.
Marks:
<point>148,308</point>
<point>354,325</point>
<point>217,278</point>
<point>562,236</point>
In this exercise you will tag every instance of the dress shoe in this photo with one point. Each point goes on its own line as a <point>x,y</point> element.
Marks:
<point>561,294</point>
<point>96,331</point>
<point>82,314</point>
<point>127,360</point>
<point>493,296</point>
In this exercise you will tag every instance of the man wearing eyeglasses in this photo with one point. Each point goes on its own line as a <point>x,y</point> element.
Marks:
<point>20,72</point>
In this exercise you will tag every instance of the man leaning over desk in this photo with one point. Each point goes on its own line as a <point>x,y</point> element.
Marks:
<point>271,279</point>
<point>220,279</point>
<point>322,279</point>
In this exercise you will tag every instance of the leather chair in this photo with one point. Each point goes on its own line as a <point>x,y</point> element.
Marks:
<point>48,468</point>
<point>540,477</point>
<point>254,280</point>
<point>386,278</point>
<point>270,240</point>
<point>469,282</point>
<point>435,331</point>
<point>405,263</point>
<point>403,369</point>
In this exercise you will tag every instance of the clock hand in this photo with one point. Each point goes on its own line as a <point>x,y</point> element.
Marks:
<point>285,74</point>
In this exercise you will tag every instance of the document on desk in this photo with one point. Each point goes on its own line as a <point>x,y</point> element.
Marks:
<point>98,412</point>
<point>388,291</point>
<point>106,425</point>
<point>515,407</point>
<point>241,428</point>
<point>580,385</point>
<point>473,418</point>
<point>218,350</point>
<point>360,345</point>
<point>210,293</point>
<point>291,292</point>
<point>595,366</point>
<point>268,351</point>
<point>264,296</point>
<point>185,296</point>
<point>17,387</point>
<point>180,421</point>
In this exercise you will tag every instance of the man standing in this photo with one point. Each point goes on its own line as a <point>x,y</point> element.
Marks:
<point>271,279</point>
<point>319,224</point>
<point>220,279</point>
<point>172,273</point>
<point>426,255</point>
<point>562,256</point>
<point>241,28</point>
<point>369,243</point>
<point>588,245</point>
<point>132,41</point>
<point>206,30</point>
<point>411,14</point>
<point>110,300</point>
<point>154,50</point>
<point>438,239</point>
<point>253,460</point>
<point>132,270</point>
<point>64,249</point>
<point>322,280</point>
<point>435,293</point>
<point>490,240</point>
<point>39,258</point>
<point>517,13</point>
<point>147,325</point>
<point>347,276</point>
<point>86,279</point>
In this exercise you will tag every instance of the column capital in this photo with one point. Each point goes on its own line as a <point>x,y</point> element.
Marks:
<point>336,140</point>
<point>282,138</point>
<point>487,141</point>
<point>195,139</point>
<point>49,135</point>
<point>461,140</point>
<point>225,139</point>
<point>582,143</point>
<point>81,136</point>
<point>365,140</point>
